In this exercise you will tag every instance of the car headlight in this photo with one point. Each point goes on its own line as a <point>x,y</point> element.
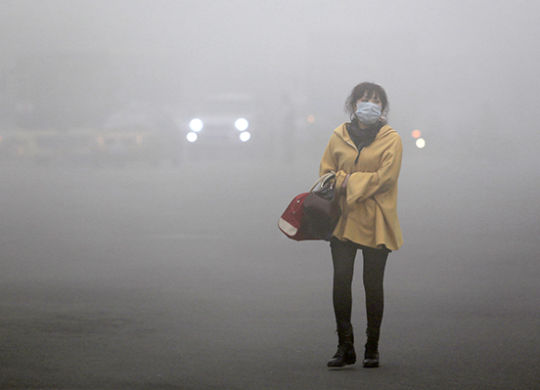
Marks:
<point>245,136</point>
<point>192,136</point>
<point>241,124</point>
<point>196,125</point>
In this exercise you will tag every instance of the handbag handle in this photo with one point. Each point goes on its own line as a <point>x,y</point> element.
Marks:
<point>322,180</point>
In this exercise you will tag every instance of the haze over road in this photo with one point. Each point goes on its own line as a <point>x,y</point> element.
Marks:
<point>161,278</point>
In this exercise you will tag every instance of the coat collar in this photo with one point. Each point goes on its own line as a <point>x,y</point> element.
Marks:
<point>342,132</point>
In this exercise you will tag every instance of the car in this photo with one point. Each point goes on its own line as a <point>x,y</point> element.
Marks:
<point>221,120</point>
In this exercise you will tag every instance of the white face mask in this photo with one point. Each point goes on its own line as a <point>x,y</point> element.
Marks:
<point>368,113</point>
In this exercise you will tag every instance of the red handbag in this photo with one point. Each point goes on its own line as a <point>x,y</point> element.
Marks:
<point>312,215</point>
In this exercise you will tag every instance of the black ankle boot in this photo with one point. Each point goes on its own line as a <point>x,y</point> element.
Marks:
<point>371,357</point>
<point>371,351</point>
<point>345,353</point>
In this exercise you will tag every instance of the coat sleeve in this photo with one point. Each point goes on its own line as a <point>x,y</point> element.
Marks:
<point>363,185</point>
<point>328,162</point>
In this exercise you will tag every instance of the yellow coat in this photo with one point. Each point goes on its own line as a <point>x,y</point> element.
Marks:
<point>369,207</point>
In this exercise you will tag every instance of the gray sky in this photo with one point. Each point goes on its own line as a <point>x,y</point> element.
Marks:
<point>435,58</point>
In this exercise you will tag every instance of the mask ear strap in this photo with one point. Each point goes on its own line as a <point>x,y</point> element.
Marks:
<point>384,113</point>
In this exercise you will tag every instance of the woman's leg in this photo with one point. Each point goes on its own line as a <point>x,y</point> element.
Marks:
<point>374,264</point>
<point>343,255</point>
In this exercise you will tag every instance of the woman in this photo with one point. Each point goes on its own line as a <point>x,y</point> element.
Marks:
<point>365,153</point>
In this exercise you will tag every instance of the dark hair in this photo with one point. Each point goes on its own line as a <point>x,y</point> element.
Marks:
<point>365,136</point>
<point>366,89</point>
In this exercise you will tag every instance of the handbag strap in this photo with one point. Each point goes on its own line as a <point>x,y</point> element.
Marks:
<point>322,180</point>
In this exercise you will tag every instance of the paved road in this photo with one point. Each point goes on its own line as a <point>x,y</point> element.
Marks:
<point>141,278</point>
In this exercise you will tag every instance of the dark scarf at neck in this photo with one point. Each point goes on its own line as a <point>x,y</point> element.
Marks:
<point>363,137</point>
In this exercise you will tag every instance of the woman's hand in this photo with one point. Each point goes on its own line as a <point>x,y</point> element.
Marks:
<point>342,179</point>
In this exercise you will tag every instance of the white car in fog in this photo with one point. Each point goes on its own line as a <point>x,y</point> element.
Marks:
<point>221,120</point>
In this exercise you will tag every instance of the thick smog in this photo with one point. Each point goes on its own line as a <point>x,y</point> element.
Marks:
<point>149,149</point>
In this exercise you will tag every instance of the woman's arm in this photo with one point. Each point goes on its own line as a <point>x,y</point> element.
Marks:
<point>328,162</point>
<point>362,185</point>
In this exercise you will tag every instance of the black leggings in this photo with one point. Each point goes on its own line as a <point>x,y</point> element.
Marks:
<point>343,255</point>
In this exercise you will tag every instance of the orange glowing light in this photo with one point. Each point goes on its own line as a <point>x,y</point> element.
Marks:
<point>311,119</point>
<point>416,133</point>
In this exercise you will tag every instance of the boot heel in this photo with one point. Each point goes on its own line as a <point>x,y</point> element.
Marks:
<point>344,356</point>
<point>372,361</point>
<point>350,358</point>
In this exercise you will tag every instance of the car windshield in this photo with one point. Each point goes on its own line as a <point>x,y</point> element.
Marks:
<point>229,104</point>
